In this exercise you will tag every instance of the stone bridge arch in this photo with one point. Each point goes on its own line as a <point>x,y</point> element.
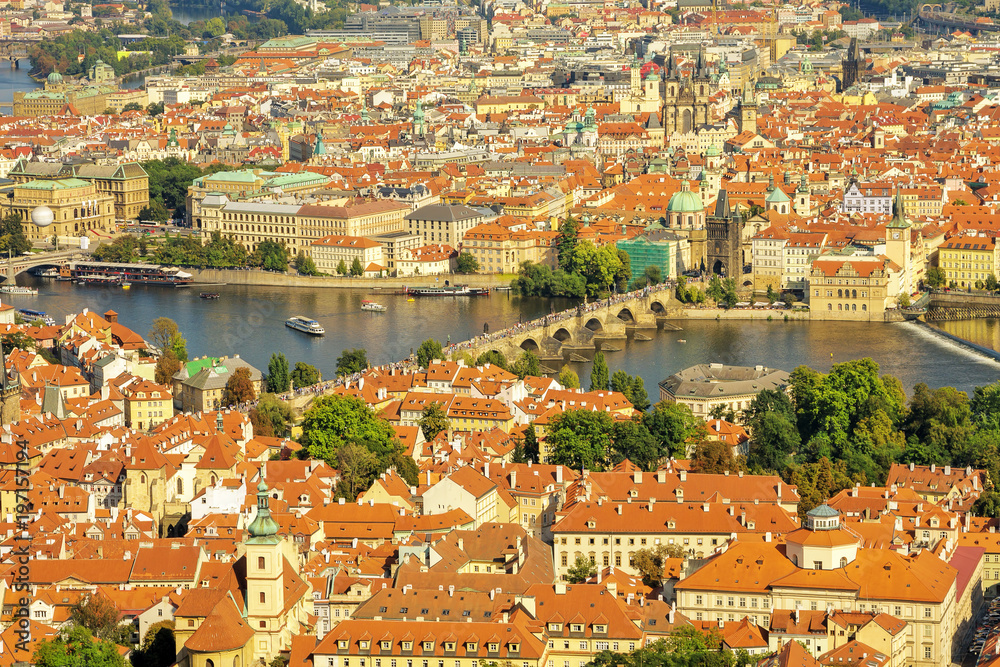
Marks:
<point>625,315</point>
<point>594,324</point>
<point>657,307</point>
<point>563,335</point>
<point>530,345</point>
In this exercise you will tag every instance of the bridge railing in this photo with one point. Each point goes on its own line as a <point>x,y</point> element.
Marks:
<point>547,320</point>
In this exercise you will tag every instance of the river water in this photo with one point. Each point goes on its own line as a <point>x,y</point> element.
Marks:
<point>250,321</point>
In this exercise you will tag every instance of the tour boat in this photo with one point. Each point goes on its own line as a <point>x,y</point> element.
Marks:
<point>451,290</point>
<point>209,295</point>
<point>30,315</point>
<point>18,289</point>
<point>372,306</point>
<point>305,325</point>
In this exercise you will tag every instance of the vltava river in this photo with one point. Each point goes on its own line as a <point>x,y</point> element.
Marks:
<point>250,321</point>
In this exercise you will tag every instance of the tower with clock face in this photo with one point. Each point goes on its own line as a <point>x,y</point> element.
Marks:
<point>897,241</point>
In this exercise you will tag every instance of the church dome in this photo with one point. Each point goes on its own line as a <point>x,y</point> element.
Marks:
<point>685,201</point>
<point>55,78</point>
<point>263,525</point>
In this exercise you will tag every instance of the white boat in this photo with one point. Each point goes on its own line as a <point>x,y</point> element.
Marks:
<point>18,289</point>
<point>305,325</point>
<point>373,307</point>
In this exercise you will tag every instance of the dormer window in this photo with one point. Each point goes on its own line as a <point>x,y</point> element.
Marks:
<point>633,493</point>
<point>576,627</point>
<point>342,644</point>
<point>428,646</point>
<point>600,629</point>
<point>494,647</point>
<point>514,647</point>
<point>364,643</point>
<point>449,646</point>
<point>555,627</point>
<point>386,645</point>
<point>591,524</point>
<point>407,646</point>
<point>471,647</point>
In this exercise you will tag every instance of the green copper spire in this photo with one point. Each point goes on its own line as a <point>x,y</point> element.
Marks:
<point>263,529</point>
<point>899,220</point>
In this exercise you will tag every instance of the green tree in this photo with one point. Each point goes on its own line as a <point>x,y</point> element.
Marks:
<point>305,375</point>
<point>12,237</point>
<point>167,366</point>
<point>358,466</point>
<point>991,283</point>
<point>492,357</point>
<point>935,277</point>
<point>352,361</point>
<point>158,648</point>
<point>714,457</point>
<point>566,243</point>
<point>527,365</point>
<point>773,441</point>
<point>581,570</point>
<point>155,211</point>
<point>162,332</point>
<point>271,256</point>
<point>305,265</point>
<point>179,347</point>
<point>278,379</point>
<point>100,616</point>
<point>430,349</point>
<point>673,425</point>
<point>433,420</point>
<point>600,267</point>
<point>271,416</point>
<point>632,440</point>
<point>467,263</point>
<point>356,269</point>
<point>531,444</point>
<point>239,388</point>
<point>77,648</point>
<point>341,268</point>
<point>568,378</point>
<point>649,562</point>
<point>332,421</point>
<point>579,439</point>
<point>599,373</point>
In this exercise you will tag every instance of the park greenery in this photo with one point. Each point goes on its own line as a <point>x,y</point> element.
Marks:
<point>584,269</point>
<point>345,433</point>
<point>12,238</point>
<point>218,252</point>
<point>685,647</point>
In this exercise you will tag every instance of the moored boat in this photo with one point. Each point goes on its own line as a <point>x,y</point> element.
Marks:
<point>18,289</point>
<point>305,325</point>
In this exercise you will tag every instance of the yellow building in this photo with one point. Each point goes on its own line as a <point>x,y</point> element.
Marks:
<point>77,208</point>
<point>147,405</point>
<point>128,183</point>
<point>508,103</point>
<point>967,259</point>
<point>853,288</point>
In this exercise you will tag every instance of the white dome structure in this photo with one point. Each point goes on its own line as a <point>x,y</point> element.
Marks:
<point>42,216</point>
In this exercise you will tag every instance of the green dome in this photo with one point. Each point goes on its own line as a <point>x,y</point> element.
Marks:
<point>55,77</point>
<point>263,528</point>
<point>712,151</point>
<point>685,201</point>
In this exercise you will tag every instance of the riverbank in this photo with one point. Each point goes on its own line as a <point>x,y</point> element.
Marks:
<point>271,279</point>
<point>744,314</point>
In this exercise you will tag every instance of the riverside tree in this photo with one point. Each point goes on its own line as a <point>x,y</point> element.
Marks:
<point>278,380</point>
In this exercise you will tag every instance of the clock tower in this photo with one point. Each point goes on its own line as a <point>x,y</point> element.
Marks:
<point>897,241</point>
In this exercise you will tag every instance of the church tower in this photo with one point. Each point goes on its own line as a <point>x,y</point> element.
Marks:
<point>897,240</point>
<point>265,564</point>
<point>748,111</point>
<point>803,198</point>
<point>635,76</point>
<point>418,120</point>
<point>851,64</point>
<point>10,393</point>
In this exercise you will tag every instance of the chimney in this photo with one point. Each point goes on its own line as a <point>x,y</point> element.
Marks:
<point>559,473</point>
<point>451,591</point>
<point>619,509</point>
<point>911,467</point>
<point>933,467</point>
<point>513,479</point>
<point>637,476</point>
<point>796,615</point>
<point>767,536</point>
<point>670,614</point>
<point>684,475</point>
<point>560,588</point>
<point>661,476</point>
<point>461,544</point>
<point>947,471</point>
<point>486,470</point>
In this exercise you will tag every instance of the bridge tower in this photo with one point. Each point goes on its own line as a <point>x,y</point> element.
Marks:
<point>851,64</point>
